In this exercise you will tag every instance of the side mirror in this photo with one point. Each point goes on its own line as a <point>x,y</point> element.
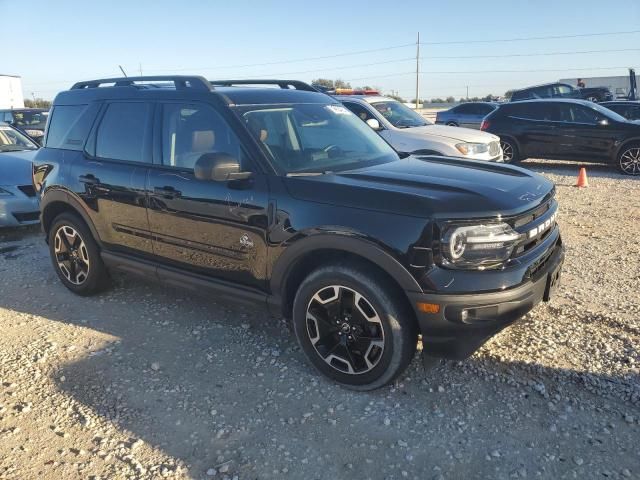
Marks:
<point>220,167</point>
<point>603,122</point>
<point>374,124</point>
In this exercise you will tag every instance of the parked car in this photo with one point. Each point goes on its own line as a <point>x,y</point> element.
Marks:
<point>467,115</point>
<point>562,90</point>
<point>409,132</point>
<point>566,129</point>
<point>18,201</point>
<point>31,121</point>
<point>628,109</point>
<point>284,197</point>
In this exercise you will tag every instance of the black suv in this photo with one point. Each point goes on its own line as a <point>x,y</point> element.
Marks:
<point>562,90</point>
<point>282,196</point>
<point>566,130</point>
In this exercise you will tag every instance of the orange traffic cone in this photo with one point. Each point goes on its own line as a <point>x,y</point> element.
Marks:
<point>582,178</point>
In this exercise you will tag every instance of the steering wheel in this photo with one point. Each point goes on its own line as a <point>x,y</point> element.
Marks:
<point>328,149</point>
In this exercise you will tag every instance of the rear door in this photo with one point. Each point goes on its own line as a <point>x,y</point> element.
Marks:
<point>208,227</point>
<point>110,175</point>
<point>536,130</point>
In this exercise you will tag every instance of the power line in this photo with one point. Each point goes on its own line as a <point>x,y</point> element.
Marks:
<point>524,39</point>
<point>491,71</point>
<point>380,49</point>
<point>578,52</point>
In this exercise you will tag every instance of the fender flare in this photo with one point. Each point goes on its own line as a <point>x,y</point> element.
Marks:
<point>623,144</point>
<point>349,244</point>
<point>62,196</point>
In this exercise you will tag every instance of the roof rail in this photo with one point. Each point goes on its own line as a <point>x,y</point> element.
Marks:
<point>296,84</point>
<point>180,82</point>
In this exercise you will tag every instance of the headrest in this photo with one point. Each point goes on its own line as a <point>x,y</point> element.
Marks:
<point>202,140</point>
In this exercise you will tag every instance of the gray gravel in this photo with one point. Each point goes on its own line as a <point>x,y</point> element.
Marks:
<point>149,382</point>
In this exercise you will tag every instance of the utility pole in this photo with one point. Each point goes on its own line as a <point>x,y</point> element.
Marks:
<point>140,69</point>
<point>418,71</point>
<point>467,92</point>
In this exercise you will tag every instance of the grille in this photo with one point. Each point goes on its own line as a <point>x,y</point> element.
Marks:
<point>28,190</point>
<point>494,148</point>
<point>539,217</point>
<point>27,217</point>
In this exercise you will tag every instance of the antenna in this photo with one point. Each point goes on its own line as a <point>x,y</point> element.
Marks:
<point>122,70</point>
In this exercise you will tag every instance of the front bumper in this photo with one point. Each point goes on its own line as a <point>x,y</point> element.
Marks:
<point>18,209</point>
<point>450,333</point>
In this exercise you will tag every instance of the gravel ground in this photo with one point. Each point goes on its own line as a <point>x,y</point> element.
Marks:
<point>145,381</point>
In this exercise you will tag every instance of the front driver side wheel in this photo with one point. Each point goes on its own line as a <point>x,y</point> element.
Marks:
<point>75,255</point>
<point>353,326</point>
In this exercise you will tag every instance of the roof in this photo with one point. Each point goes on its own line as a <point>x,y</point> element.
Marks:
<point>266,96</point>
<point>233,92</point>
<point>365,98</point>
<point>538,86</point>
<point>552,100</point>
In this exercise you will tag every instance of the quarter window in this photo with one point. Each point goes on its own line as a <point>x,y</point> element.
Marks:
<point>124,132</point>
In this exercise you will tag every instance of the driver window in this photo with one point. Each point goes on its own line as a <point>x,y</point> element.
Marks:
<point>359,110</point>
<point>192,130</point>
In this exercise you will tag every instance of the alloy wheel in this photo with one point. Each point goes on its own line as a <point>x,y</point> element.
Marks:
<point>630,161</point>
<point>345,330</point>
<point>71,255</point>
<point>507,151</point>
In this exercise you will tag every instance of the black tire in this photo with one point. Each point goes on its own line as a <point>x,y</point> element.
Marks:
<point>382,302</point>
<point>628,159</point>
<point>452,124</point>
<point>508,145</point>
<point>96,277</point>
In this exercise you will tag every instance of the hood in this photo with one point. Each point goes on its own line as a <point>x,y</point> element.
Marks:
<point>15,167</point>
<point>429,187</point>
<point>458,134</point>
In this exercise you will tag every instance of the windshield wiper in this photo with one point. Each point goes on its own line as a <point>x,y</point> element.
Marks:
<point>307,174</point>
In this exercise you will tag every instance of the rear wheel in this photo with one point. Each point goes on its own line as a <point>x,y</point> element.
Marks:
<point>629,159</point>
<point>75,255</point>
<point>510,153</point>
<point>452,124</point>
<point>353,327</point>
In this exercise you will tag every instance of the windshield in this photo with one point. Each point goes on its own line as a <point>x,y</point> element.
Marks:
<point>26,118</point>
<point>608,113</point>
<point>315,138</point>
<point>399,115</point>
<point>12,141</point>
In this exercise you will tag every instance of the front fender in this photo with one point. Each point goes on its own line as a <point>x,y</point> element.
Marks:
<point>345,242</point>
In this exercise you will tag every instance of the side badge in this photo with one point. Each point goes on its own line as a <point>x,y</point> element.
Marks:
<point>245,241</point>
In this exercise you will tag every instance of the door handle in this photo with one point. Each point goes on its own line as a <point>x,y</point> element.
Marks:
<point>88,179</point>
<point>167,192</point>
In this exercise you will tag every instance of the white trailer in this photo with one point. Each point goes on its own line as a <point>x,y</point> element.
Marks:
<point>11,92</point>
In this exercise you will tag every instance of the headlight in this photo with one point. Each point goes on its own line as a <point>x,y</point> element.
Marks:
<point>35,133</point>
<point>472,148</point>
<point>4,193</point>
<point>478,246</point>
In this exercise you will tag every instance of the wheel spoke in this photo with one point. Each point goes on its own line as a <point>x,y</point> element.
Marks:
<point>345,329</point>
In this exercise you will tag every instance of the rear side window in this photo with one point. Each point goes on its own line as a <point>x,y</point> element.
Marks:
<point>69,126</point>
<point>124,132</point>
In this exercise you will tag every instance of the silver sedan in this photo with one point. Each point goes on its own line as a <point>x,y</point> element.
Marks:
<point>18,200</point>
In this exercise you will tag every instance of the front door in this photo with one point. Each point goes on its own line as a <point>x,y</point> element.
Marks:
<point>210,227</point>
<point>583,135</point>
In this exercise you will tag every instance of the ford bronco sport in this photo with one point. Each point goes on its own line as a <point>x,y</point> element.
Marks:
<point>284,197</point>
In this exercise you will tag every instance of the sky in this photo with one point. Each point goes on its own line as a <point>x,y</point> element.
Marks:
<point>52,44</point>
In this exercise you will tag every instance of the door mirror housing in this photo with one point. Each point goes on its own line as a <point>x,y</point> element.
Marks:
<point>219,167</point>
<point>603,121</point>
<point>374,124</point>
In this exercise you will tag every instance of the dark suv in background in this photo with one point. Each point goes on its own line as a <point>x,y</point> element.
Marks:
<point>562,90</point>
<point>284,197</point>
<point>566,130</point>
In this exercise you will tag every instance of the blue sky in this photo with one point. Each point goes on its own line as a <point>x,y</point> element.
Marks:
<point>59,42</point>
